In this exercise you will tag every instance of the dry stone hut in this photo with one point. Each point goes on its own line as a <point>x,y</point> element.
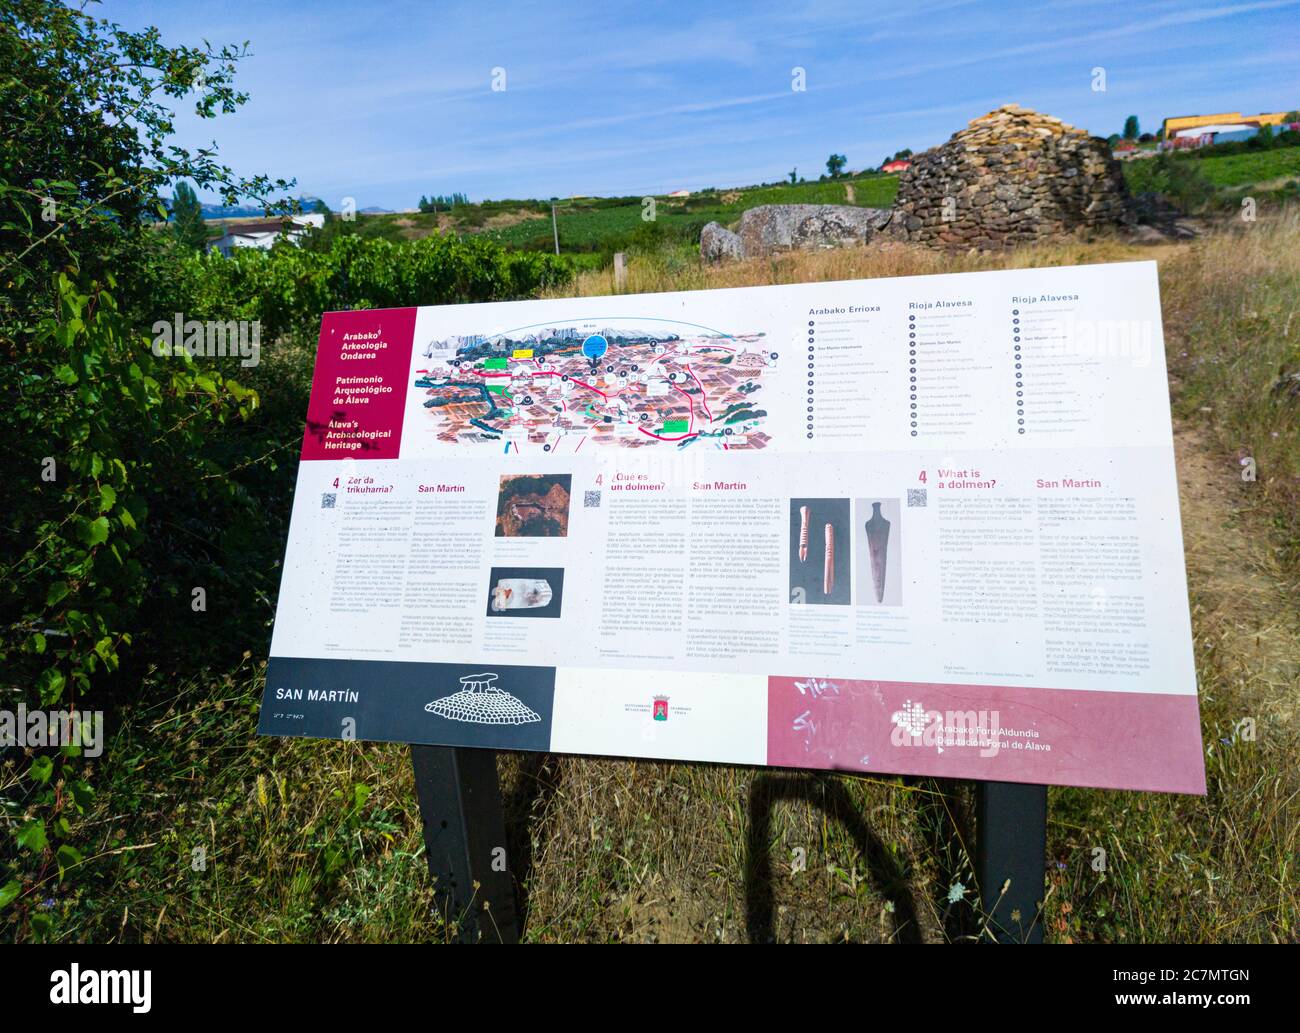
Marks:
<point>1010,177</point>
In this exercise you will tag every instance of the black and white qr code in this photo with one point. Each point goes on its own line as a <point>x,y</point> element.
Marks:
<point>591,500</point>
<point>328,499</point>
<point>916,498</point>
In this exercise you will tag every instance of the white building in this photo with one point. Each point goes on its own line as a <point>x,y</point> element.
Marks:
<point>263,233</point>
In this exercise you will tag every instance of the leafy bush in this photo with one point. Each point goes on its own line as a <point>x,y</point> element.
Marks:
<point>86,152</point>
<point>121,435</point>
<point>137,476</point>
<point>1182,181</point>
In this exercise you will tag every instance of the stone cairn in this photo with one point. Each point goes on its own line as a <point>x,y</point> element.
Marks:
<point>1011,177</point>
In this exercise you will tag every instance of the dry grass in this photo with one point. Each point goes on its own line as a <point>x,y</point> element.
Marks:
<point>617,850</point>
<point>681,270</point>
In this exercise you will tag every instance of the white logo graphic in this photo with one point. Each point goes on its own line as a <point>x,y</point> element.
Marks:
<point>480,702</point>
<point>119,986</point>
<point>911,718</point>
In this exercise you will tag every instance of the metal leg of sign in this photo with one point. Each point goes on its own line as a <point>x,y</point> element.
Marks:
<point>1011,858</point>
<point>465,840</point>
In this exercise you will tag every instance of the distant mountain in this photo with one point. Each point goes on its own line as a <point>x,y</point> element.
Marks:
<point>375,211</point>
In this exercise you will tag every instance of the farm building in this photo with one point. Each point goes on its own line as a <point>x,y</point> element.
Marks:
<point>263,233</point>
<point>1179,125</point>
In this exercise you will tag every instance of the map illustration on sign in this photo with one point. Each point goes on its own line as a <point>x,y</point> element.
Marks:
<point>623,382</point>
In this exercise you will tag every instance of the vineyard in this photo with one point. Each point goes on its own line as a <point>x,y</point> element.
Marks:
<point>288,288</point>
<point>603,225</point>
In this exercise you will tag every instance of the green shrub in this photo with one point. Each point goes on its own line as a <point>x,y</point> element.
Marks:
<point>1175,176</point>
<point>92,541</point>
<point>288,288</point>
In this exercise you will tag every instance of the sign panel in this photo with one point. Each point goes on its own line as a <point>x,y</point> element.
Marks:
<point>925,525</point>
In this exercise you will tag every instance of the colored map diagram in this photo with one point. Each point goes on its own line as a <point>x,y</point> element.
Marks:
<point>622,382</point>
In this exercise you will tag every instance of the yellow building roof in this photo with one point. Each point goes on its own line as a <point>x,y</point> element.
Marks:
<point>1173,125</point>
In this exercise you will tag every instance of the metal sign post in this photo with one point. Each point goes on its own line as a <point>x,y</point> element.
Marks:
<point>465,840</point>
<point>1010,858</point>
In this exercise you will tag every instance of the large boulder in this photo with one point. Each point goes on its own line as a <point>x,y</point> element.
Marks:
<point>788,227</point>
<point>717,242</point>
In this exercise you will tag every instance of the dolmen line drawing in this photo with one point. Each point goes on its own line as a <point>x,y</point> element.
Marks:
<point>480,702</point>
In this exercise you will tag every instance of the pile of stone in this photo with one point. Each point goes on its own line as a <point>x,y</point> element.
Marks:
<point>1011,177</point>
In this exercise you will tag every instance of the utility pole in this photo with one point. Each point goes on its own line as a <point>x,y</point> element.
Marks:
<point>555,229</point>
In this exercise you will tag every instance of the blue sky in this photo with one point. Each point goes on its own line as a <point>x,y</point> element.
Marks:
<point>386,101</point>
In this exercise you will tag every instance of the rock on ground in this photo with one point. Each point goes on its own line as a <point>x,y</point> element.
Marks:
<point>717,242</point>
<point>786,227</point>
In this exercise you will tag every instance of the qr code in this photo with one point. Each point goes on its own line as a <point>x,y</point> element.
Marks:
<point>591,500</point>
<point>916,498</point>
<point>328,499</point>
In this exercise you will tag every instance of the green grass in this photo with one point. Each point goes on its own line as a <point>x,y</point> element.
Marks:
<point>584,226</point>
<point>1217,181</point>
<point>1234,170</point>
<point>596,227</point>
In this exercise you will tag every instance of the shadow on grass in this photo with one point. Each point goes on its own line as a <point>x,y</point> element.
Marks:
<point>527,796</point>
<point>944,814</point>
<point>889,875</point>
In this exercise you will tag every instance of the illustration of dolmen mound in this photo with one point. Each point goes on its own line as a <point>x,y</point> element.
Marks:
<point>533,506</point>
<point>480,702</point>
<point>562,387</point>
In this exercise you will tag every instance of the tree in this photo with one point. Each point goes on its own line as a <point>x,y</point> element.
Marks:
<point>794,175</point>
<point>95,545</point>
<point>835,165</point>
<point>187,218</point>
<point>86,150</point>
<point>1131,131</point>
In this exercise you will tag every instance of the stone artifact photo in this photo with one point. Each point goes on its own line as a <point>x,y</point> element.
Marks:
<point>533,505</point>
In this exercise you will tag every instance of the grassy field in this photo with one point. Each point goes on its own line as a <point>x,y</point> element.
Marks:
<point>1198,183</point>
<point>592,229</point>
<point>603,225</point>
<point>206,832</point>
<point>1234,170</point>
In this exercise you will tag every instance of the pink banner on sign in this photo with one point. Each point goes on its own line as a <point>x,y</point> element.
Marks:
<point>1115,740</point>
<point>358,392</point>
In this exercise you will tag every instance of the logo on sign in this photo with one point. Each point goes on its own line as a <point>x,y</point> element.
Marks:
<point>911,718</point>
<point>660,709</point>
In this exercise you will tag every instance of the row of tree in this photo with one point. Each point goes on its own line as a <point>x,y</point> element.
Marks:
<point>442,202</point>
